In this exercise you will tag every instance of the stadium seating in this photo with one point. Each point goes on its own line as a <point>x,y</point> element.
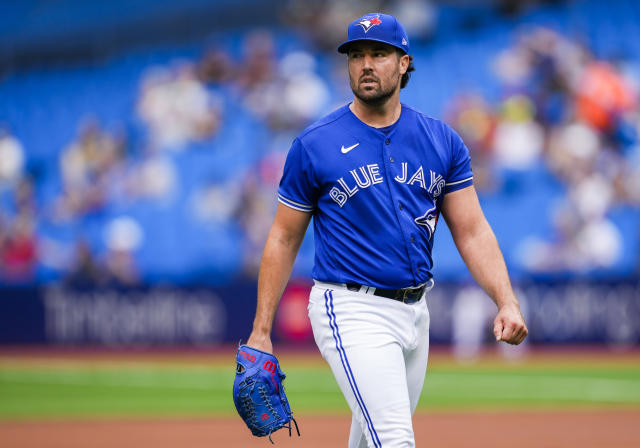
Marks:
<point>45,107</point>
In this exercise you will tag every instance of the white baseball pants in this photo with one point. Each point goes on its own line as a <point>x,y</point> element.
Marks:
<point>377,349</point>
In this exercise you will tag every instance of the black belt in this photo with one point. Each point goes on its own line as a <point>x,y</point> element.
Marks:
<point>404,295</point>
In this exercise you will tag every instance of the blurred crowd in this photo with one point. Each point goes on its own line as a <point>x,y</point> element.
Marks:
<point>562,109</point>
<point>179,104</point>
<point>580,118</point>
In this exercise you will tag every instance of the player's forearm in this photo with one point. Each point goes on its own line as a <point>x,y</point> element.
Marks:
<point>275,268</point>
<point>480,251</point>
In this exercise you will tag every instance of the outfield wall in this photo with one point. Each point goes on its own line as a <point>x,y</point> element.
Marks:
<point>158,316</point>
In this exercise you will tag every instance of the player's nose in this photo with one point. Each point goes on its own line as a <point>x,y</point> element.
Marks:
<point>367,61</point>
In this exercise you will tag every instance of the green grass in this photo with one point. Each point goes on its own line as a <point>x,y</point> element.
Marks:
<point>145,389</point>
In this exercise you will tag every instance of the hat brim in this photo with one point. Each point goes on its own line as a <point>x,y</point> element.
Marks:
<point>344,46</point>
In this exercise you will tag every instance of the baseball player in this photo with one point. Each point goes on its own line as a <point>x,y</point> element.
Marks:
<point>375,175</point>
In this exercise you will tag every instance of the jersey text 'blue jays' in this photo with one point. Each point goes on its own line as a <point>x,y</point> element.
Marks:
<point>393,179</point>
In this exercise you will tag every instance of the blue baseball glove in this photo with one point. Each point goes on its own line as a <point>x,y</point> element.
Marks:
<point>258,393</point>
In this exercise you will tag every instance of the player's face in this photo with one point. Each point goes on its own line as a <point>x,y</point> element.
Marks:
<point>375,71</point>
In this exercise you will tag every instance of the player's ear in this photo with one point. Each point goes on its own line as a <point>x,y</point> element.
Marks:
<point>404,62</point>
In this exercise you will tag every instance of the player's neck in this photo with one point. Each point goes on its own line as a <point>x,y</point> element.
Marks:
<point>377,116</point>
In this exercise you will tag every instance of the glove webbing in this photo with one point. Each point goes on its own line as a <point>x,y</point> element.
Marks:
<point>267,401</point>
<point>289,428</point>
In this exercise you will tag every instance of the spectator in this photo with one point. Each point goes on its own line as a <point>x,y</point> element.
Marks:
<point>602,96</point>
<point>86,271</point>
<point>258,66</point>
<point>24,196</point>
<point>518,139</point>
<point>216,67</point>
<point>475,121</point>
<point>86,165</point>
<point>11,157</point>
<point>177,107</point>
<point>256,206</point>
<point>153,177</point>
<point>294,97</point>
<point>123,236</point>
<point>18,252</point>
<point>573,150</point>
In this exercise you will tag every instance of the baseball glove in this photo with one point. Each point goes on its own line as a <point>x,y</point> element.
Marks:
<point>258,393</point>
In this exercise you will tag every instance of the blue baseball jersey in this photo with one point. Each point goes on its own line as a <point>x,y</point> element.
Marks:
<point>375,194</point>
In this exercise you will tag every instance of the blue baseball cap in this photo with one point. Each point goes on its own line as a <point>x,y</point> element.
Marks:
<point>377,27</point>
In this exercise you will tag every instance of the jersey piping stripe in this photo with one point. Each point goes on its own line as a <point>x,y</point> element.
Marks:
<point>295,205</point>
<point>328,302</point>
<point>294,202</point>
<point>459,181</point>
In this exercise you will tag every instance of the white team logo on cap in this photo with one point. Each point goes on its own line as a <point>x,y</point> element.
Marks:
<point>404,41</point>
<point>367,24</point>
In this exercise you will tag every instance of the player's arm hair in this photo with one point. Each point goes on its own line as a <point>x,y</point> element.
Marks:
<point>477,244</point>
<point>281,248</point>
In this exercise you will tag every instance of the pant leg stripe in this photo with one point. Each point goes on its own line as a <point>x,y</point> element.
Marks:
<point>375,438</point>
<point>328,297</point>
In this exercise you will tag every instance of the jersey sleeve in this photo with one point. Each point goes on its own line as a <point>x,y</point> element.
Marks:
<point>297,186</point>
<point>460,174</point>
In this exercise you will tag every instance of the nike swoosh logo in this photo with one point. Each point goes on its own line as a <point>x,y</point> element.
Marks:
<point>346,150</point>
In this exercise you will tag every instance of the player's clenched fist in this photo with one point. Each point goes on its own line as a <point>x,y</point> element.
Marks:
<point>509,325</point>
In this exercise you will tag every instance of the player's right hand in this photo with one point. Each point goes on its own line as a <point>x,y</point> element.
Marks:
<point>260,342</point>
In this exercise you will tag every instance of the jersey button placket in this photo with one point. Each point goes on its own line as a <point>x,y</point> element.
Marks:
<point>401,217</point>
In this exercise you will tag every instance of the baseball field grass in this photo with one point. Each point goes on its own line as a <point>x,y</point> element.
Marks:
<point>148,385</point>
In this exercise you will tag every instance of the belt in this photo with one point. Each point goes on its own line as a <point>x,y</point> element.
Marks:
<point>404,295</point>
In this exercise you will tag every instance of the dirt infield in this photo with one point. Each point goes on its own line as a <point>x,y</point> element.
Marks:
<point>617,429</point>
<point>225,355</point>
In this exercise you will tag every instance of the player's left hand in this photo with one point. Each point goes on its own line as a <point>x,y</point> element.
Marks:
<point>509,325</point>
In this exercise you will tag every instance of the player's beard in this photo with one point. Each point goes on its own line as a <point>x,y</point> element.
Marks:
<point>374,97</point>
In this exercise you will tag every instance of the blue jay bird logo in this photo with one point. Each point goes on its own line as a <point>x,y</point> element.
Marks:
<point>429,221</point>
<point>367,24</point>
